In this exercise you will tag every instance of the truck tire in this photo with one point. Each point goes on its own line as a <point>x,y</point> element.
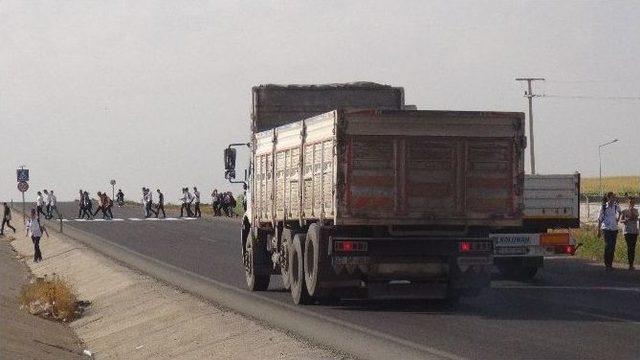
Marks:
<point>315,253</point>
<point>299,292</point>
<point>255,259</point>
<point>287,243</point>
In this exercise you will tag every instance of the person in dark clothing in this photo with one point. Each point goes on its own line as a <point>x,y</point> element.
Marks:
<point>35,228</point>
<point>196,196</point>
<point>108,204</point>
<point>215,202</point>
<point>120,198</point>
<point>87,206</point>
<point>160,204</point>
<point>6,219</point>
<point>80,204</point>
<point>629,218</point>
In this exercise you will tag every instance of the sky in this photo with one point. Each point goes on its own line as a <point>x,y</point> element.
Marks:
<point>150,92</point>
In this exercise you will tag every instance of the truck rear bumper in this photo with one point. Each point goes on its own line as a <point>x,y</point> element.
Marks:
<point>401,268</point>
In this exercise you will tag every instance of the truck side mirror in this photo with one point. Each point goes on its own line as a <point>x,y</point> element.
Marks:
<point>230,163</point>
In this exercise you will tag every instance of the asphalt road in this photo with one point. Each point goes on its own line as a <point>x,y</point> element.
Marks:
<point>573,310</point>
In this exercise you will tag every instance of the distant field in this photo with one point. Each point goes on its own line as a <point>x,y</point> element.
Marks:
<point>617,184</point>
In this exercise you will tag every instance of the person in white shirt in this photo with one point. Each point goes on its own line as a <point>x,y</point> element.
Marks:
<point>40,205</point>
<point>47,202</point>
<point>149,204</point>
<point>35,228</point>
<point>186,202</point>
<point>53,205</point>
<point>196,210</point>
<point>608,226</point>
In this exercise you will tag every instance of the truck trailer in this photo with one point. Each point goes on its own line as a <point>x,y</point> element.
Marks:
<point>352,195</point>
<point>551,207</point>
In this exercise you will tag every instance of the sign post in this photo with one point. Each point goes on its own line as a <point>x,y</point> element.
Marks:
<point>22,176</point>
<point>113,189</point>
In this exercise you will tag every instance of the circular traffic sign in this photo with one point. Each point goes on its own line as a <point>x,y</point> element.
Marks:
<point>113,182</point>
<point>23,186</point>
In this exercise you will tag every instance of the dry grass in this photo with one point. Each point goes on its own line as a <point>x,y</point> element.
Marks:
<point>592,247</point>
<point>51,297</point>
<point>618,184</point>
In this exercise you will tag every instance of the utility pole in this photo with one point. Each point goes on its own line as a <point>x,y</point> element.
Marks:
<point>529,94</point>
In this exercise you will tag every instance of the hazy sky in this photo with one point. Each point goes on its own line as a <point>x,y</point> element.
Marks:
<point>150,92</point>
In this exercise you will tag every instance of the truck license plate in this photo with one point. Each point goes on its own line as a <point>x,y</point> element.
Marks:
<point>511,250</point>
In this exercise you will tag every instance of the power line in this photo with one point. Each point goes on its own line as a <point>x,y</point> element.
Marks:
<point>591,97</point>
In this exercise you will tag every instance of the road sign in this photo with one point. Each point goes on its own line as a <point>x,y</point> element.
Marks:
<point>113,182</point>
<point>22,175</point>
<point>23,186</point>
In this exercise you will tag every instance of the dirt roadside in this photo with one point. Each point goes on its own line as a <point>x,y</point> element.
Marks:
<point>133,316</point>
<point>22,335</point>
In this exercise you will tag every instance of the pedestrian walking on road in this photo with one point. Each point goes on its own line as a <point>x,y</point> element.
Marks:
<point>35,228</point>
<point>160,204</point>
<point>186,203</point>
<point>629,218</point>
<point>100,206</point>
<point>196,196</point>
<point>80,204</point>
<point>120,198</point>
<point>87,206</point>
<point>608,227</point>
<point>40,205</point>
<point>215,202</point>
<point>6,219</point>
<point>53,205</point>
<point>47,202</point>
<point>149,203</point>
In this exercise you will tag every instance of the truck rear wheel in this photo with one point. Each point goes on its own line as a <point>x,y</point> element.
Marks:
<point>314,251</point>
<point>254,263</point>
<point>287,241</point>
<point>299,292</point>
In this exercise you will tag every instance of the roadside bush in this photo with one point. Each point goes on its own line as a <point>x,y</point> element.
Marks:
<point>51,297</point>
<point>593,247</point>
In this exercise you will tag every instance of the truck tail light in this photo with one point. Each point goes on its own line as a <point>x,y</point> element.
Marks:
<point>350,245</point>
<point>474,246</point>
<point>565,249</point>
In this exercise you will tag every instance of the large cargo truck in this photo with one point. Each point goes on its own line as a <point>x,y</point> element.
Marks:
<point>349,195</point>
<point>551,207</point>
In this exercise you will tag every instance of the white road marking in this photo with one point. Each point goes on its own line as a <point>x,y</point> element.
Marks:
<point>131,219</point>
<point>605,317</point>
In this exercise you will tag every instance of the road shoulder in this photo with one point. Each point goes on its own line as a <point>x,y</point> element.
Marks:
<point>134,316</point>
<point>22,335</point>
